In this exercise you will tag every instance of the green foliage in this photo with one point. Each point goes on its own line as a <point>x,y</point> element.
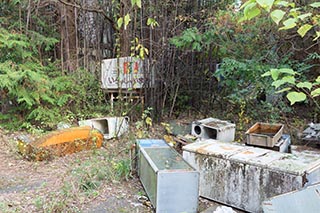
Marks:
<point>143,125</point>
<point>190,39</point>
<point>93,172</point>
<point>152,23</point>
<point>239,80</point>
<point>305,17</point>
<point>39,95</point>
<point>297,91</point>
<point>223,37</point>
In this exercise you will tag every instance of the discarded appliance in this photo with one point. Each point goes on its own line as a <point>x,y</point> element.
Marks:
<point>244,176</point>
<point>264,134</point>
<point>304,200</point>
<point>283,144</point>
<point>312,133</point>
<point>212,128</point>
<point>170,182</point>
<point>110,127</point>
<point>60,143</point>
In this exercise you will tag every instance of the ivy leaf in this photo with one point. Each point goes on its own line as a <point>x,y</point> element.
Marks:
<point>315,92</point>
<point>266,4</point>
<point>277,15</point>
<point>294,97</point>
<point>276,72</point>
<point>315,4</point>
<point>251,11</point>
<point>306,84</point>
<point>289,23</point>
<point>304,29</point>
<point>120,22</point>
<point>303,16</point>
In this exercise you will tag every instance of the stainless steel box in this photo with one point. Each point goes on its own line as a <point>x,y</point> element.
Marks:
<point>171,184</point>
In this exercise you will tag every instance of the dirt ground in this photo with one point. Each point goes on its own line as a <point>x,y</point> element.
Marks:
<point>47,186</point>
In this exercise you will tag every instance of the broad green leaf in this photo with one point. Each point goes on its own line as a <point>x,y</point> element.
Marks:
<point>284,90</point>
<point>289,79</point>
<point>251,11</point>
<point>243,18</point>
<point>266,74</point>
<point>278,83</point>
<point>294,97</point>
<point>266,4</point>
<point>304,29</point>
<point>287,71</point>
<point>277,15</point>
<point>284,80</point>
<point>133,2</point>
<point>315,92</point>
<point>246,3</point>
<point>289,23</point>
<point>284,3</point>
<point>120,22</point>
<point>127,19</point>
<point>318,79</point>
<point>294,12</point>
<point>303,16</point>
<point>138,2</point>
<point>315,4</point>
<point>306,84</point>
<point>274,74</point>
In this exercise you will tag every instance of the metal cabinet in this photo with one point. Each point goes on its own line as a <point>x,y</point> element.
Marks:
<point>171,184</point>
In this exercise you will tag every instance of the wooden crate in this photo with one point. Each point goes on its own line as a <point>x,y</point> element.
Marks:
<point>264,134</point>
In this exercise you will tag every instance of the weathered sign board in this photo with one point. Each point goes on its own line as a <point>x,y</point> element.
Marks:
<point>124,73</point>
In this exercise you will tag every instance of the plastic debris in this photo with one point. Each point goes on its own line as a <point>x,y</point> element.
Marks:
<point>60,143</point>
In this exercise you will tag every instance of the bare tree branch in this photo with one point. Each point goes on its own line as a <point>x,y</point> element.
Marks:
<point>89,9</point>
